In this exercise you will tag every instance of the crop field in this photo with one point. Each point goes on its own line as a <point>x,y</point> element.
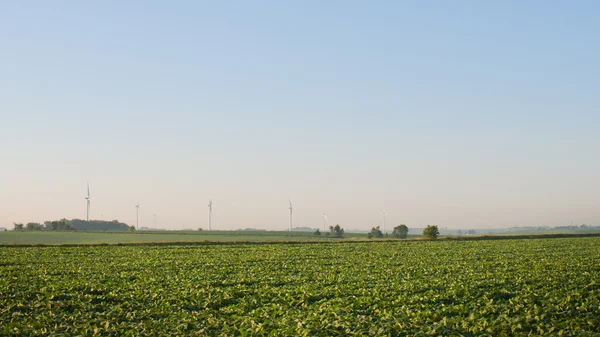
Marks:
<point>468,288</point>
<point>98,237</point>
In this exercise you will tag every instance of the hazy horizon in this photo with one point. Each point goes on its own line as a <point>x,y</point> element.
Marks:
<point>464,115</point>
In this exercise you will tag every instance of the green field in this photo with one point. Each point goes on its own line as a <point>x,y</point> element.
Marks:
<point>97,237</point>
<point>52,238</point>
<point>468,288</point>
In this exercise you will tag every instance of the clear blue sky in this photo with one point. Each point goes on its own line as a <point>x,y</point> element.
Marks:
<point>465,114</point>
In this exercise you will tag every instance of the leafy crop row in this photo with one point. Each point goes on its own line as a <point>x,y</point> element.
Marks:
<point>495,288</point>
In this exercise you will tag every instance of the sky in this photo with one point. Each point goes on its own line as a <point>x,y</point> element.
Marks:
<point>463,114</point>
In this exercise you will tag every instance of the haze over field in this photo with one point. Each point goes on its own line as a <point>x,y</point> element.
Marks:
<point>465,115</point>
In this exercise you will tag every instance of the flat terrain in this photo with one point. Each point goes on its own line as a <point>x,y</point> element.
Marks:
<point>493,288</point>
<point>91,237</point>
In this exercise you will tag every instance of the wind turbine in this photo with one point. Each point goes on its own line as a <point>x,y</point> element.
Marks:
<point>89,200</point>
<point>209,214</point>
<point>324,221</point>
<point>290,200</point>
<point>137,216</point>
<point>384,214</point>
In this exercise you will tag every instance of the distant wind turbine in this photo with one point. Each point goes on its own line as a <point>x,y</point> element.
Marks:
<point>291,209</point>
<point>137,216</point>
<point>89,200</point>
<point>210,214</point>
<point>384,214</point>
<point>324,221</point>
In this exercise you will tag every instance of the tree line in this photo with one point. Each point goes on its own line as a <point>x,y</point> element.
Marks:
<point>74,224</point>
<point>400,232</point>
<point>334,231</point>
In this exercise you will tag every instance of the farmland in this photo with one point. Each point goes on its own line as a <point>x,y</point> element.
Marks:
<point>99,237</point>
<point>495,288</point>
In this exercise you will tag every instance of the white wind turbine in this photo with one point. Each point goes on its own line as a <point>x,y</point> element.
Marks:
<point>210,214</point>
<point>89,200</point>
<point>290,226</point>
<point>324,222</point>
<point>137,216</point>
<point>384,214</point>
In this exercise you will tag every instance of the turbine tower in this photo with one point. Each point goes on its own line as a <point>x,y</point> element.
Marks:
<point>210,214</point>
<point>89,200</point>
<point>290,226</point>
<point>324,221</point>
<point>137,216</point>
<point>384,214</point>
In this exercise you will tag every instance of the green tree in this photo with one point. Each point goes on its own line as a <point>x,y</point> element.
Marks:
<point>132,228</point>
<point>33,226</point>
<point>18,226</point>
<point>51,225</point>
<point>64,225</point>
<point>431,232</point>
<point>60,225</point>
<point>336,231</point>
<point>97,225</point>
<point>376,232</point>
<point>317,232</point>
<point>400,232</point>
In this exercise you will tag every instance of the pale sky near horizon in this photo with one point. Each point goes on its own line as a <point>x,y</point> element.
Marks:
<point>464,114</point>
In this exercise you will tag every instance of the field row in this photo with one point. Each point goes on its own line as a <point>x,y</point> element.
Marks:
<point>508,287</point>
<point>99,237</point>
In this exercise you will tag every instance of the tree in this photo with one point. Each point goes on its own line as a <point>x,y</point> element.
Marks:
<point>200,229</point>
<point>60,225</point>
<point>376,232</point>
<point>63,225</point>
<point>97,225</point>
<point>400,232</point>
<point>132,228</point>
<point>336,231</point>
<point>471,232</point>
<point>431,232</point>
<point>317,232</point>
<point>369,235</point>
<point>18,226</point>
<point>33,226</point>
<point>51,225</point>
